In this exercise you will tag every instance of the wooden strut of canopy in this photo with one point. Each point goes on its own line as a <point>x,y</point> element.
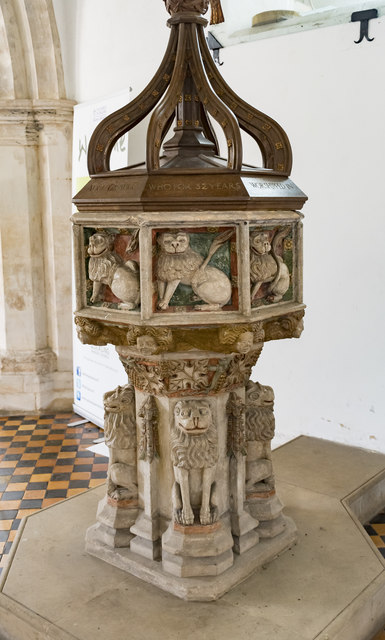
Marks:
<point>188,54</point>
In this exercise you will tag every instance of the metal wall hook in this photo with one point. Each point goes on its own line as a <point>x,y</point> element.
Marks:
<point>214,46</point>
<point>363,17</point>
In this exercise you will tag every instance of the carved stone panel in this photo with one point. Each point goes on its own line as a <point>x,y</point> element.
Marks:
<point>260,427</point>
<point>194,455</point>
<point>195,269</point>
<point>112,268</point>
<point>271,265</point>
<point>120,436</point>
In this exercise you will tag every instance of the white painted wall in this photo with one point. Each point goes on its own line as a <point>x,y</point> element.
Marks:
<point>328,93</point>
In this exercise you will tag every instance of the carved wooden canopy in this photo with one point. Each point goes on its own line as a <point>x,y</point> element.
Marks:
<point>188,90</point>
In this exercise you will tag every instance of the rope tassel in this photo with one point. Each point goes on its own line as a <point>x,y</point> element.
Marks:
<point>216,12</point>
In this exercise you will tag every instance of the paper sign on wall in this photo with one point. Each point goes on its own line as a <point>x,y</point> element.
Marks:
<point>96,369</point>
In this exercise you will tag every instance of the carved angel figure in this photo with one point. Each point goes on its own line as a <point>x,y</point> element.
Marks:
<point>267,266</point>
<point>106,267</point>
<point>194,454</point>
<point>179,263</point>
<point>120,436</point>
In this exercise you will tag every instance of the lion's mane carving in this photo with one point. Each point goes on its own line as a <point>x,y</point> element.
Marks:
<point>119,418</point>
<point>260,421</point>
<point>193,451</point>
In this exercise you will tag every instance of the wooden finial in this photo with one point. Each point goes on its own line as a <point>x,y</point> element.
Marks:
<point>216,12</point>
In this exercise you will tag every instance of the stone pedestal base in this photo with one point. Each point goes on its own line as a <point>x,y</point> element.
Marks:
<point>268,510</point>
<point>186,552</point>
<point>114,522</point>
<point>199,588</point>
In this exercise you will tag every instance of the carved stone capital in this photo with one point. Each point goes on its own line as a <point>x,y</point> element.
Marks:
<point>290,326</point>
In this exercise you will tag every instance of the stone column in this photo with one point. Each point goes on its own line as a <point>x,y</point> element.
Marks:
<point>35,245</point>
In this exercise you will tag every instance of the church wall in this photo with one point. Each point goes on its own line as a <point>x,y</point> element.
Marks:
<point>327,92</point>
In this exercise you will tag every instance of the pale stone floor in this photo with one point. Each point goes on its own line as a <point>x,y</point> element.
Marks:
<point>314,590</point>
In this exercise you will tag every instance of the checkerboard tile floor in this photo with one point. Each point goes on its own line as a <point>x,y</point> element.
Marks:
<point>376,530</point>
<point>43,461</point>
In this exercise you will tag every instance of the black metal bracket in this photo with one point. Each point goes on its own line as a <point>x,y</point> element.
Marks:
<point>214,46</point>
<point>363,17</point>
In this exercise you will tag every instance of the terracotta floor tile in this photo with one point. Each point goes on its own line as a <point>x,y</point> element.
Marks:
<point>10,423</point>
<point>53,449</point>
<point>8,464</point>
<point>23,471</point>
<point>100,467</point>
<point>25,427</point>
<point>9,505</point>
<point>71,443</point>
<point>23,513</point>
<point>21,438</point>
<point>63,468</point>
<point>17,486</point>
<point>48,502</point>
<point>378,541</point>
<point>44,421</point>
<point>45,463</point>
<point>56,436</point>
<point>379,528</point>
<point>95,482</point>
<point>81,475</point>
<point>10,434</point>
<point>61,484</point>
<point>30,456</point>
<point>12,535</point>
<point>2,545</point>
<point>5,525</point>
<point>34,494</point>
<point>18,449</point>
<point>41,477</point>
<point>75,492</point>
<point>67,454</point>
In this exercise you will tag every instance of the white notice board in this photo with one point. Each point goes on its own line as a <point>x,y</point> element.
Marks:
<point>96,369</point>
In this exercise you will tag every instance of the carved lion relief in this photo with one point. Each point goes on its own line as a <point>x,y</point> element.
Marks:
<point>260,426</point>
<point>269,274</point>
<point>186,276</point>
<point>194,454</point>
<point>107,268</point>
<point>120,436</point>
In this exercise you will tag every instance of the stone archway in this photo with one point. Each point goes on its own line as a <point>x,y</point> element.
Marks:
<point>35,245</point>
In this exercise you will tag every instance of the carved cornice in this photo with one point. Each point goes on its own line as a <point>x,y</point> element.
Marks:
<point>226,340</point>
